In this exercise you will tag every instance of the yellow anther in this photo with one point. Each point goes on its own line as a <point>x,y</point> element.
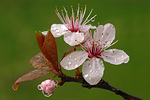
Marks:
<point>98,23</point>
<point>76,9</point>
<point>113,27</point>
<point>71,17</point>
<point>76,17</point>
<point>95,30</point>
<point>106,33</point>
<point>82,8</point>
<point>56,6</point>
<point>63,6</point>
<point>104,44</point>
<point>105,41</point>
<point>71,6</point>
<point>98,39</point>
<point>85,5</point>
<point>62,10</point>
<point>80,11</point>
<point>57,11</point>
<point>84,33</point>
<point>102,33</point>
<point>113,51</point>
<point>91,9</point>
<point>106,56</point>
<point>78,4</point>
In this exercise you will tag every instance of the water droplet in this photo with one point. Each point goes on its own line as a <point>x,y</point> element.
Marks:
<point>75,58</point>
<point>66,67</point>
<point>39,87</point>
<point>57,31</point>
<point>69,63</point>
<point>76,65</point>
<point>91,70</point>
<point>70,56</point>
<point>99,67</point>
<point>90,78</point>
<point>122,56</point>
<point>115,60</point>
<point>92,73</point>
<point>93,20</point>
<point>46,94</point>
<point>90,66</point>
<point>86,75</point>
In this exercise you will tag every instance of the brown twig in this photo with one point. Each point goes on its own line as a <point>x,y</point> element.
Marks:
<point>102,84</point>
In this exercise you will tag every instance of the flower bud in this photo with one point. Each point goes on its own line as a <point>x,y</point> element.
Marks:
<point>48,86</point>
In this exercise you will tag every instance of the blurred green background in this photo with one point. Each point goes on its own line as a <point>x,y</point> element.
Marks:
<point>19,19</point>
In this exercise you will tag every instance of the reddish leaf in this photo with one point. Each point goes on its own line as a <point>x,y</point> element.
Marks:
<point>48,47</point>
<point>30,76</point>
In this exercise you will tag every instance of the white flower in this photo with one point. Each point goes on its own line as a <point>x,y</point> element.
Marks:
<point>72,28</point>
<point>93,49</point>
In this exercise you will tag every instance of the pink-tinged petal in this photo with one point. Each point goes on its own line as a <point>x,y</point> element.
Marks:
<point>58,30</point>
<point>86,28</point>
<point>88,40</point>
<point>115,56</point>
<point>98,33</point>
<point>107,35</point>
<point>74,60</point>
<point>73,38</point>
<point>93,70</point>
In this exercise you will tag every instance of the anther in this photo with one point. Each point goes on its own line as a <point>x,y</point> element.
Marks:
<point>105,41</point>
<point>71,6</point>
<point>85,5</point>
<point>91,9</point>
<point>113,27</point>
<point>62,10</point>
<point>102,33</point>
<point>98,23</point>
<point>78,4</point>
<point>106,33</point>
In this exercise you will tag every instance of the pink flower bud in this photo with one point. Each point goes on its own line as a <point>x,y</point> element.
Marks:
<point>48,86</point>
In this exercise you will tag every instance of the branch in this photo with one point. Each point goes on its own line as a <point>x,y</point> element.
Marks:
<point>102,84</point>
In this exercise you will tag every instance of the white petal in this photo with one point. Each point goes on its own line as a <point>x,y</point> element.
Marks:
<point>44,32</point>
<point>58,30</point>
<point>98,33</point>
<point>73,38</point>
<point>115,56</point>
<point>107,35</point>
<point>74,60</point>
<point>86,28</point>
<point>93,70</point>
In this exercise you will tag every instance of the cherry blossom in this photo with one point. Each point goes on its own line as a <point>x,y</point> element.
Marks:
<point>48,86</point>
<point>93,49</point>
<point>73,28</point>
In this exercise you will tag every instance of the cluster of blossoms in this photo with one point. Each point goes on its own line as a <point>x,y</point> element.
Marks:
<point>77,32</point>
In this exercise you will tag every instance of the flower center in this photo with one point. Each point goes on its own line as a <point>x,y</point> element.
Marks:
<point>94,52</point>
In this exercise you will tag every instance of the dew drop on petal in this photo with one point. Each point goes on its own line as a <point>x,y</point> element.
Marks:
<point>91,70</point>
<point>122,56</point>
<point>115,60</point>
<point>86,75</point>
<point>93,20</point>
<point>75,58</point>
<point>46,94</point>
<point>69,63</point>
<point>57,31</point>
<point>66,67</point>
<point>90,78</point>
<point>76,65</point>
<point>70,56</point>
